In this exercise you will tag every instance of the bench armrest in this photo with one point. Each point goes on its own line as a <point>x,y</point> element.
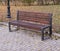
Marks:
<point>46,27</point>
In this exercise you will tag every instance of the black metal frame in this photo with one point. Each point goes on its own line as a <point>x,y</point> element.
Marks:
<point>9,27</point>
<point>50,28</point>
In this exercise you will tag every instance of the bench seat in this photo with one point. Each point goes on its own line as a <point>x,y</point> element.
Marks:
<point>29,25</point>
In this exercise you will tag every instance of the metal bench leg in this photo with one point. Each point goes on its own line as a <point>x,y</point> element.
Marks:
<point>9,27</point>
<point>50,30</point>
<point>42,34</point>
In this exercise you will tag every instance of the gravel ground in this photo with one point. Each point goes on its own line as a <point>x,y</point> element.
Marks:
<point>24,40</point>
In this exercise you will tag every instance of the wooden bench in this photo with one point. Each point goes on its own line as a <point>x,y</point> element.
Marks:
<point>33,20</point>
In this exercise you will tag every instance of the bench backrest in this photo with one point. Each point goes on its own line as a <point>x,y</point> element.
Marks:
<point>44,18</point>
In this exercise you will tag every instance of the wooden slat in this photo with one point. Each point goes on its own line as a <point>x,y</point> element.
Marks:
<point>35,17</point>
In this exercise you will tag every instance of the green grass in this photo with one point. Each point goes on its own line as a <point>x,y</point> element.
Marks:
<point>54,9</point>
